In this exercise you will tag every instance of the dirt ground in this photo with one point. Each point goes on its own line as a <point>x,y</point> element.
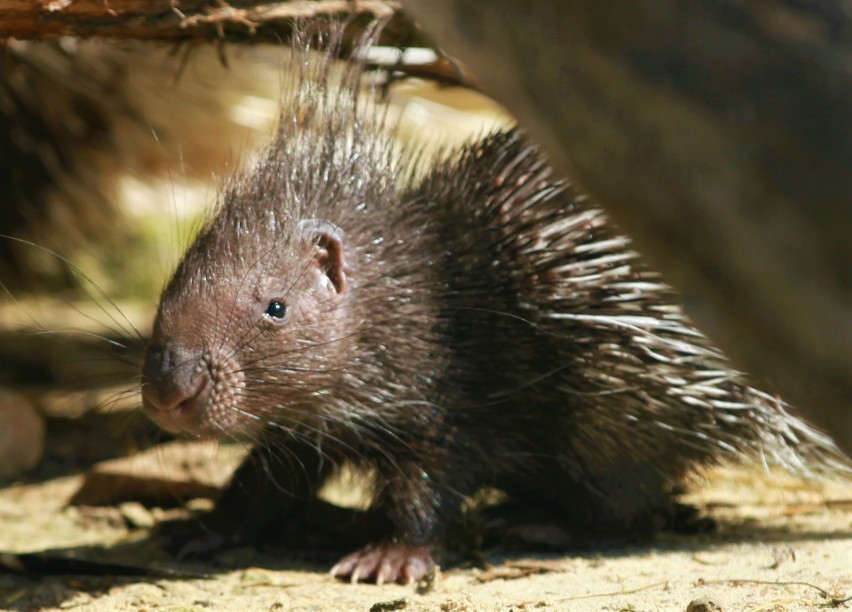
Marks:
<point>781,545</point>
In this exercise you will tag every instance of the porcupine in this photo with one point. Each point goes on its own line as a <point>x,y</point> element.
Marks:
<point>474,323</point>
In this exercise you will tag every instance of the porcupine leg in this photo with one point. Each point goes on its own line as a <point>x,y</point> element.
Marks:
<point>405,554</point>
<point>267,489</point>
<point>626,502</point>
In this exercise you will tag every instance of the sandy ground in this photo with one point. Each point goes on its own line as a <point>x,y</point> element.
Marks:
<point>781,545</point>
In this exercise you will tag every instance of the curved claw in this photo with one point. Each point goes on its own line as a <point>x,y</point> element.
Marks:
<point>385,562</point>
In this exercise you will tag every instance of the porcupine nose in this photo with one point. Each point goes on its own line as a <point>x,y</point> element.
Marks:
<point>174,388</point>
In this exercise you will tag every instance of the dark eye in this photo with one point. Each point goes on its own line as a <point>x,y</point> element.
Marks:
<point>276,310</point>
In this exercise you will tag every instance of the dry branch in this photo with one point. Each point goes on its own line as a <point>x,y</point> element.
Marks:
<point>173,20</point>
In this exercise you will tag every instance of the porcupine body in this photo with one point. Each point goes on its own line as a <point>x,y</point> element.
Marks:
<point>477,323</point>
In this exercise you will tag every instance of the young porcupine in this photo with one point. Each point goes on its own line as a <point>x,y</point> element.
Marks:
<point>479,323</point>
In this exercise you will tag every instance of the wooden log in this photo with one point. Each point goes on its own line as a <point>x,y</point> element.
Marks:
<point>718,133</point>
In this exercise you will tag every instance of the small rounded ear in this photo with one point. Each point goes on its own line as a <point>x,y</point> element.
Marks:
<point>327,241</point>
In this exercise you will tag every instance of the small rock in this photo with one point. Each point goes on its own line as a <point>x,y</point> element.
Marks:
<point>136,515</point>
<point>427,583</point>
<point>386,606</point>
<point>21,435</point>
<point>703,605</point>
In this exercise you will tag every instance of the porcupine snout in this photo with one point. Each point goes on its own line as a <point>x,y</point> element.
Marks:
<point>194,391</point>
<point>175,388</point>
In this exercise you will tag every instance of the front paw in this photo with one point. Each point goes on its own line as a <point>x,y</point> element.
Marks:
<point>385,562</point>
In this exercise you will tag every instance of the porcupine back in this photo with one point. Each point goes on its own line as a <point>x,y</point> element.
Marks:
<point>569,339</point>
